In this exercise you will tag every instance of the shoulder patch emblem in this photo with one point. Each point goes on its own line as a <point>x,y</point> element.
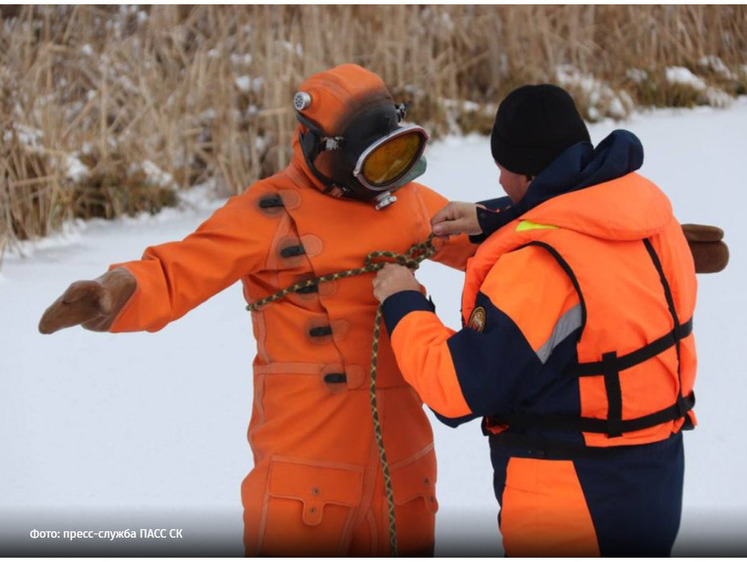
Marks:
<point>477,319</point>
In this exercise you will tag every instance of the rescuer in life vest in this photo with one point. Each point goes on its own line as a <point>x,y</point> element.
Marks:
<point>316,487</point>
<point>577,344</point>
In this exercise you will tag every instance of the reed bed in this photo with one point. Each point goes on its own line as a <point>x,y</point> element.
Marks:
<point>110,110</point>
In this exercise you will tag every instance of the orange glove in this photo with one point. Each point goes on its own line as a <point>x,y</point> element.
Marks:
<point>709,251</point>
<point>93,304</point>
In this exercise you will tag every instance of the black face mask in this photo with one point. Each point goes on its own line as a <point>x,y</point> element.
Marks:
<point>393,152</point>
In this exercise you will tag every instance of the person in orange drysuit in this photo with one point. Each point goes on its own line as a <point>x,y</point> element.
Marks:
<point>577,346</point>
<point>316,487</point>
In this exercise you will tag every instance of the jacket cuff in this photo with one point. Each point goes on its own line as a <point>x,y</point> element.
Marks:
<point>454,422</point>
<point>489,222</point>
<point>399,305</point>
<point>488,218</point>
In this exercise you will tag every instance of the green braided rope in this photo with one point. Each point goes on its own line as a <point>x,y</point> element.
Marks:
<point>412,258</point>
<point>388,488</point>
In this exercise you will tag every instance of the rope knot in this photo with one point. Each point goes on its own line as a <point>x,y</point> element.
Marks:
<point>409,262</point>
<point>411,259</point>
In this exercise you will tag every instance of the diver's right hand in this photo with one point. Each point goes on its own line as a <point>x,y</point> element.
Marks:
<point>93,304</point>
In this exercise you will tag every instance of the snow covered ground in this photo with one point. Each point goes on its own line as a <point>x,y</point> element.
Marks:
<point>116,432</point>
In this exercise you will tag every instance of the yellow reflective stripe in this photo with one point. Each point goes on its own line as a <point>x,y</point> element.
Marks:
<point>529,225</point>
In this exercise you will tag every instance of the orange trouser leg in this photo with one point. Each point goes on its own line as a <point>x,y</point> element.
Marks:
<point>544,512</point>
<point>308,508</point>
<point>414,520</point>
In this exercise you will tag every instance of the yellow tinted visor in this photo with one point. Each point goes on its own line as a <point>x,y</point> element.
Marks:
<point>392,159</point>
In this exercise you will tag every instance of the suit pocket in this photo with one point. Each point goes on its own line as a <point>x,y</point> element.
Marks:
<point>309,508</point>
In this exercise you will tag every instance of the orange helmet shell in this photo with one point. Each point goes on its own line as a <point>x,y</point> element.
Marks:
<point>339,94</point>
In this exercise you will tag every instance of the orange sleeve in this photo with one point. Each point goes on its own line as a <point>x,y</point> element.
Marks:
<point>529,308</point>
<point>455,251</point>
<point>420,346</point>
<point>532,289</point>
<point>175,277</point>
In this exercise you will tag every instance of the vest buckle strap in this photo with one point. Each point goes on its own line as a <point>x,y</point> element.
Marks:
<point>638,356</point>
<point>569,422</point>
<point>685,404</point>
<point>614,393</point>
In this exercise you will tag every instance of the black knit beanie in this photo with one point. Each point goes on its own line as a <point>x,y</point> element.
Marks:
<point>534,124</point>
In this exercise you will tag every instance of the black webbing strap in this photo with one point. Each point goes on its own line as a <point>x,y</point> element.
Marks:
<point>639,355</point>
<point>670,303</point>
<point>538,447</point>
<point>614,394</point>
<point>593,425</point>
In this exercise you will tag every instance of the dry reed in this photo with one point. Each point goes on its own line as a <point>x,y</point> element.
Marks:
<point>106,110</point>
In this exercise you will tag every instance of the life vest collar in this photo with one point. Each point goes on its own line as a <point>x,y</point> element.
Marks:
<point>626,208</point>
<point>577,168</point>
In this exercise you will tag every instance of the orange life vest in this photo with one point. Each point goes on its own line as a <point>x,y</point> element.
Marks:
<point>636,284</point>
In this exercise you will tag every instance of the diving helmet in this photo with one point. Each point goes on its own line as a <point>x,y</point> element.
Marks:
<point>352,138</point>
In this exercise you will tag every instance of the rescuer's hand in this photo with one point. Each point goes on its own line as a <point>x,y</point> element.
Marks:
<point>456,218</point>
<point>393,278</point>
<point>93,304</point>
<point>710,253</point>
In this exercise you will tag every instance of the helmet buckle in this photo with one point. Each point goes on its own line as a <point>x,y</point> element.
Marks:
<point>331,143</point>
<point>337,191</point>
<point>384,199</point>
<point>401,110</point>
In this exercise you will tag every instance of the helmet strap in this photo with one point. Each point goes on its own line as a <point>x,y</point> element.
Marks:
<point>311,148</point>
<point>313,143</point>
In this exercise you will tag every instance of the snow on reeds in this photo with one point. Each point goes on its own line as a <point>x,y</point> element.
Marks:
<point>109,110</point>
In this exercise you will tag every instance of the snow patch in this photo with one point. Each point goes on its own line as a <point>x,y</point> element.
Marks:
<point>600,99</point>
<point>241,59</point>
<point>718,97</point>
<point>682,75</point>
<point>70,233</point>
<point>248,84</point>
<point>244,83</point>
<point>715,64</point>
<point>637,75</point>
<point>29,136</point>
<point>157,176</point>
<point>75,170</point>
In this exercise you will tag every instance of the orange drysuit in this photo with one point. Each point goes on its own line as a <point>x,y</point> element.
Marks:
<point>316,486</point>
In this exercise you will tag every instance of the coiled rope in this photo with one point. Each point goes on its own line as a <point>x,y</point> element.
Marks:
<point>411,259</point>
